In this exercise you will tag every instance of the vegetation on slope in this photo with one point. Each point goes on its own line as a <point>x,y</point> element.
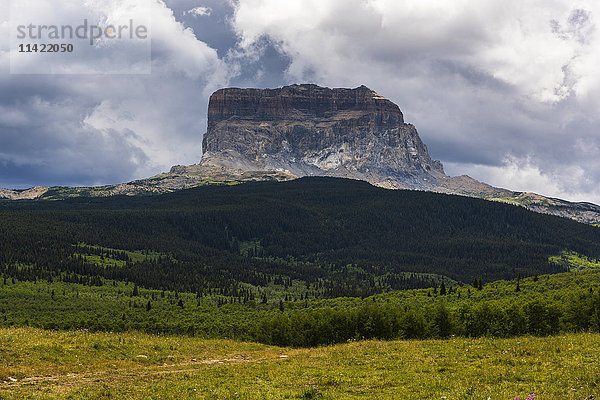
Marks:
<point>545,305</point>
<point>336,237</point>
<point>574,261</point>
<point>302,263</point>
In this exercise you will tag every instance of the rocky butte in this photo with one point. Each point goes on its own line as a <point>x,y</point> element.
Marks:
<point>307,130</point>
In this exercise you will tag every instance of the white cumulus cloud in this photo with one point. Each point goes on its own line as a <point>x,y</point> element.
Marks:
<point>199,11</point>
<point>481,81</point>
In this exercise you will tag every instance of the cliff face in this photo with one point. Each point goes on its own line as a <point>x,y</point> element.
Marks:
<point>310,130</point>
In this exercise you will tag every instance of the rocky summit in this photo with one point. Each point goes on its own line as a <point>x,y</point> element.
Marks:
<point>307,130</point>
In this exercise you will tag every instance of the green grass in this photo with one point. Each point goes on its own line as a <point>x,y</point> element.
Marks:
<point>80,365</point>
<point>112,307</point>
<point>575,261</point>
<point>106,262</point>
<point>134,256</point>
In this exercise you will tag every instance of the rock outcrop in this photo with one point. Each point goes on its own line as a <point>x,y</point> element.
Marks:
<point>305,130</point>
<point>29,194</point>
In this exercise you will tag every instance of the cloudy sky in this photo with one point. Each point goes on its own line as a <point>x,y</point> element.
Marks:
<point>505,91</point>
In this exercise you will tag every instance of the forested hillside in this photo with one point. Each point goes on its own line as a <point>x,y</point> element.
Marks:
<point>321,237</point>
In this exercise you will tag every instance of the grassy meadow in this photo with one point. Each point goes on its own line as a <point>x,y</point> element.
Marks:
<point>38,364</point>
<point>92,347</point>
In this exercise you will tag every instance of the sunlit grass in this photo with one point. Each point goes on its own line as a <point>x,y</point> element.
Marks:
<point>139,366</point>
<point>575,261</point>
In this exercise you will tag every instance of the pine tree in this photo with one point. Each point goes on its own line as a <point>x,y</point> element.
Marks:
<point>480,284</point>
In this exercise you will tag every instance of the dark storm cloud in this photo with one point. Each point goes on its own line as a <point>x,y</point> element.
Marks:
<point>104,129</point>
<point>44,133</point>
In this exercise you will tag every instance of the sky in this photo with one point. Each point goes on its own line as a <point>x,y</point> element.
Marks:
<point>505,91</point>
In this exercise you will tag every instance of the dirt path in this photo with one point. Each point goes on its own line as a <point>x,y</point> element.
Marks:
<point>152,371</point>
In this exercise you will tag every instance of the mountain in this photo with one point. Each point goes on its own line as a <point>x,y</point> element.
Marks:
<point>306,130</point>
